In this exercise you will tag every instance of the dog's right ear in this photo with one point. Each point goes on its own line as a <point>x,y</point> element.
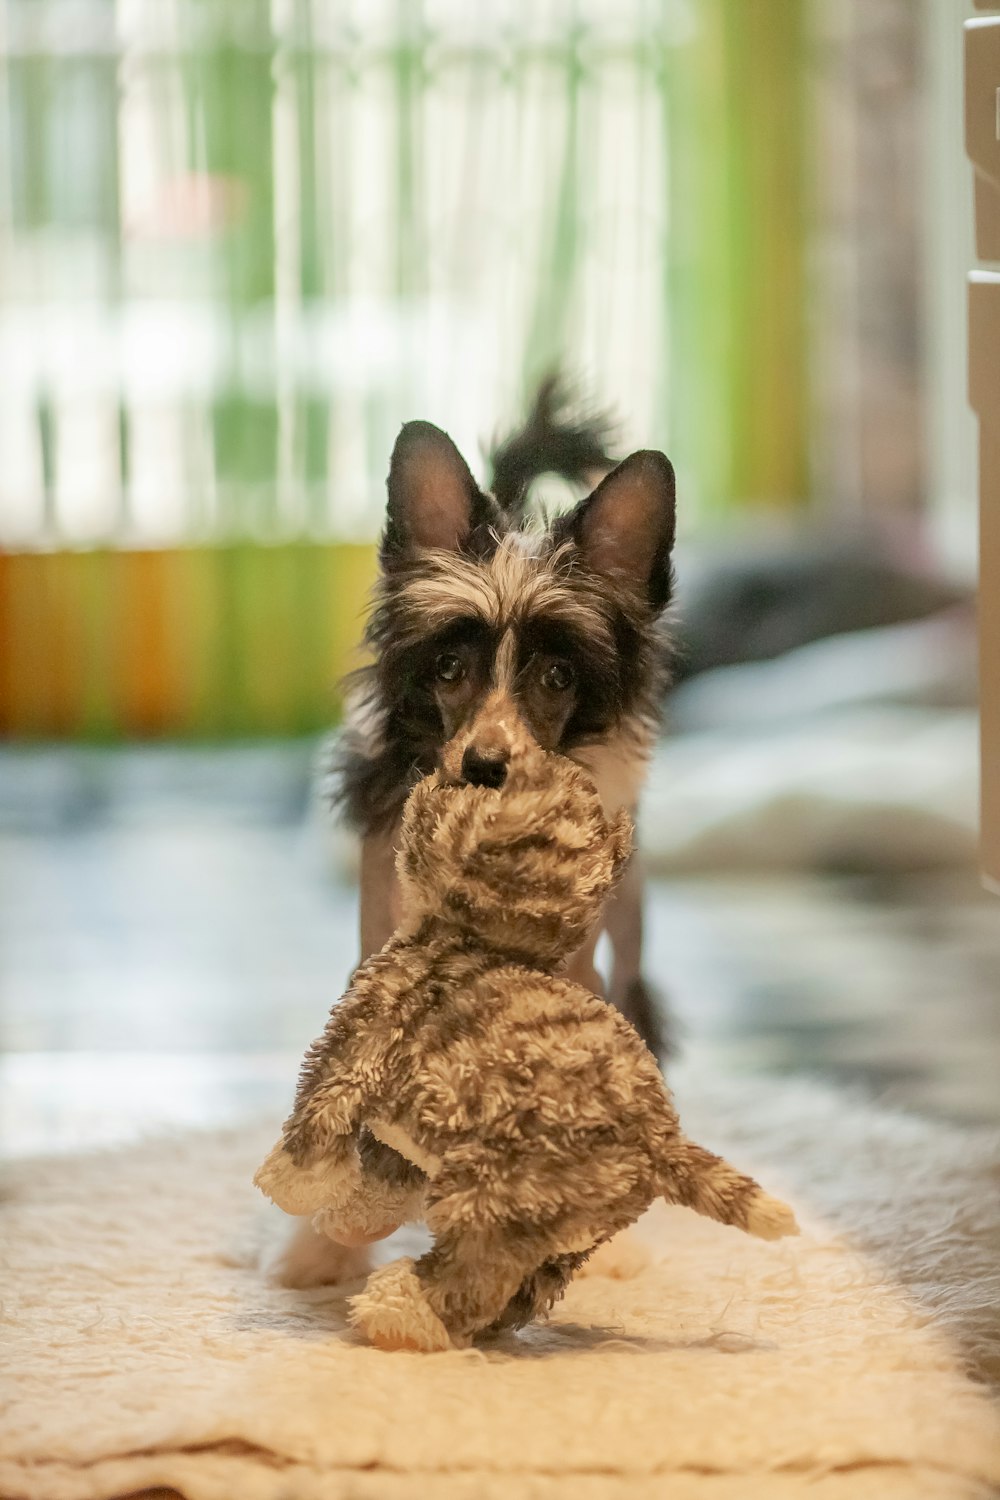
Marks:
<point>625,529</point>
<point>434,502</point>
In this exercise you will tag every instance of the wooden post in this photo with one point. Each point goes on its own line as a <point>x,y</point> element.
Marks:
<point>982,138</point>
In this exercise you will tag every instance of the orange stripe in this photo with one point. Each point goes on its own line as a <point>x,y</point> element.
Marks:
<point>42,647</point>
<point>6,645</point>
<point>237,640</point>
<point>141,665</point>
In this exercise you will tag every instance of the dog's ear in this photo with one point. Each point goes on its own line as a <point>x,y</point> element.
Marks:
<point>433,499</point>
<point>625,529</point>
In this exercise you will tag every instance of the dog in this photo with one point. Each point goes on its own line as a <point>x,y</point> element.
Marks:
<point>488,628</point>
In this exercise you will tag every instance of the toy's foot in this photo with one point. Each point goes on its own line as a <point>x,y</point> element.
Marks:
<point>310,1259</point>
<point>352,1239</point>
<point>393,1312</point>
<point>621,1258</point>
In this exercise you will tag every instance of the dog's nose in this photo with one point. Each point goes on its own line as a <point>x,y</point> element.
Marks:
<point>483,770</point>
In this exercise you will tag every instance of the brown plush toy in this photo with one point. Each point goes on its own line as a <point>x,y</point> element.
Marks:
<point>463,1081</point>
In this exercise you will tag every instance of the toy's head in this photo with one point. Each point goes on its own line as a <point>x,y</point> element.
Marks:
<point>524,868</point>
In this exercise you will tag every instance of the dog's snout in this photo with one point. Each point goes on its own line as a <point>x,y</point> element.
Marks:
<point>483,770</point>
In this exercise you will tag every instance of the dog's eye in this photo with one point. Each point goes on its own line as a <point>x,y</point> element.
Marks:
<point>558,676</point>
<point>448,667</point>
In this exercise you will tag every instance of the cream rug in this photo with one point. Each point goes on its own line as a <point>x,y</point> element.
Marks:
<point>143,1348</point>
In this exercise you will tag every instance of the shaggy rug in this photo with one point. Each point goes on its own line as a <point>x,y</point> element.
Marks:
<point>143,1348</point>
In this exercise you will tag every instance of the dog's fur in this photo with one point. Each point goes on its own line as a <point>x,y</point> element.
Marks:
<point>487,628</point>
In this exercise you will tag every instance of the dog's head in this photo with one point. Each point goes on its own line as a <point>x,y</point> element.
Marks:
<point>525,867</point>
<point>489,640</point>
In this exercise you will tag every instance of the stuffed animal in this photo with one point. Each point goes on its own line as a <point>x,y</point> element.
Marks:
<point>464,1081</point>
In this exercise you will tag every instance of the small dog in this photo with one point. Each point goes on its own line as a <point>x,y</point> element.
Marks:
<point>486,629</point>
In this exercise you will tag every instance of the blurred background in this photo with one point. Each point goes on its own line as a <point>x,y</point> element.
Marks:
<point>240,242</point>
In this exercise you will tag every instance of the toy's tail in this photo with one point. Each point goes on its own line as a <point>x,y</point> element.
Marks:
<point>695,1178</point>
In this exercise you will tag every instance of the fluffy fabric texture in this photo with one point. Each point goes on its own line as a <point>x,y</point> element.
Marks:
<point>142,1346</point>
<point>529,1120</point>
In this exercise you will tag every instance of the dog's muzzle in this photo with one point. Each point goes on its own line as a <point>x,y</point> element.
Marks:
<point>483,770</point>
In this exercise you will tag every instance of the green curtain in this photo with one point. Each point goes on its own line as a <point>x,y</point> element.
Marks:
<point>280,231</point>
<point>736,304</point>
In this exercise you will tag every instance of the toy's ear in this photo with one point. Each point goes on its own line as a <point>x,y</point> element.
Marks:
<point>434,502</point>
<point>622,841</point>
<point>416,839</point>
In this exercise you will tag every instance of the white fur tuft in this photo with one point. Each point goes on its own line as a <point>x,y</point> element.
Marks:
<point>770,1219</point>
<point>393,1312</point>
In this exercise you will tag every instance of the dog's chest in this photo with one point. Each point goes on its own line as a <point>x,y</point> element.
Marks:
<point>619,767</point>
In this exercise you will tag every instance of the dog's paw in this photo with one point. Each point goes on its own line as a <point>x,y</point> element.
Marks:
<point>393,1312</point>
<point>621,1258</point>
<point>306,1259</point>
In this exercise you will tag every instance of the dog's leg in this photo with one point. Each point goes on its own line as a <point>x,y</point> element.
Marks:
<point>581,968</point>
<point>621,1258</point>
<point>628,990</point>
<point>307,1258</point>
<point>380,895</point>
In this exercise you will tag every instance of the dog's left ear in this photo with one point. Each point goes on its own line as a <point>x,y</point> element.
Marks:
<point>625,528</point>
<point>434,502</point>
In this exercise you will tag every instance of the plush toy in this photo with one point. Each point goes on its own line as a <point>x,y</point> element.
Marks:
<point>463,1081</point>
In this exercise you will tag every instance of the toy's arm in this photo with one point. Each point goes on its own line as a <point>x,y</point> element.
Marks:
<point>305,1188</point>
<point>343,1073</point>
<point>342,1076</point>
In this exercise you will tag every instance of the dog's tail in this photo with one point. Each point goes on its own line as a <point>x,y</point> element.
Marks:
<point>558,437</point>
<point>695,1178</point>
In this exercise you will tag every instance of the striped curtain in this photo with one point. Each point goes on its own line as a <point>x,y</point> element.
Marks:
<point>245,239</point>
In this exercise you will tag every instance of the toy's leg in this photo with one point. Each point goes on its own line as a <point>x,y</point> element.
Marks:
<point>469,1278</point>
<point>386,1191</point>
<point>393,1311</point>
<point>458,1289</point>
<point>620,1258</point>
<point>540,1291</point>
<point>353,1230</point>
<point>381,1191</point>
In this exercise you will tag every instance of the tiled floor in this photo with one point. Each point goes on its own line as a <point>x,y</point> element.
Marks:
<point>171,937</point>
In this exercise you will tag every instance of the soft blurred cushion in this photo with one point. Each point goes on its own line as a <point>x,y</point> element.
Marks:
<point>877,788</point>
<point>930,663</point>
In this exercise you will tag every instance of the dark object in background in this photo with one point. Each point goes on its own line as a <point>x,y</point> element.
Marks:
<point>560,435</point>
<point>747,605</point>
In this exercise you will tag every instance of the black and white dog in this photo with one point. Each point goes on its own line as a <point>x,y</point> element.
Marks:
<point>487,628</point>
